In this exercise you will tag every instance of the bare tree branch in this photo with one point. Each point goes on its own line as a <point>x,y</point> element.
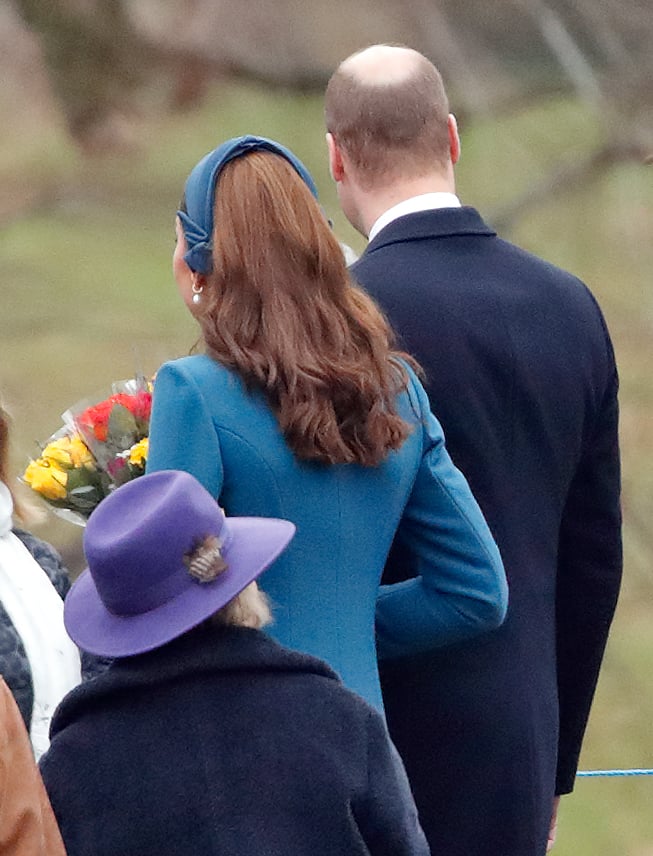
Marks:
<point>565,49</point>
<point>566,178</point>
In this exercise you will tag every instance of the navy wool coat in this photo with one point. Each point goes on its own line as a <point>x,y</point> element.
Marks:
<point>223,742</point>
<point>521,374</point>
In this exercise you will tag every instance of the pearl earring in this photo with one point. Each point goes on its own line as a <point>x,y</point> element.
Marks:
<point>197,293</point>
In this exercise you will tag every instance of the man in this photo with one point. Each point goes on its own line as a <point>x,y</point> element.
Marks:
<point>520,371</point>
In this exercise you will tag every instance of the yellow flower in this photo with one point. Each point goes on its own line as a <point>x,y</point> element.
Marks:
<point>46,478</point>
<point>58,452</point>
<point>67,452</point>
<point>138,453</point>
<point>79,452</point>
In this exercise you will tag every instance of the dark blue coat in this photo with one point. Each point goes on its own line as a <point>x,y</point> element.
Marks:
<point>521,374</point>
<point>223,742</point>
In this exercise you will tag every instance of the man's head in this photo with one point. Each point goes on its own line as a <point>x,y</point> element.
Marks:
<point>388,123</point>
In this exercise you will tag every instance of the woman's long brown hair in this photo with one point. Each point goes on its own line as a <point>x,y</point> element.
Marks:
<point>282,311</point>
<point>19,510</point>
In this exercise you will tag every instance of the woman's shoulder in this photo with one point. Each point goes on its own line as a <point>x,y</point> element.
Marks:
<point>200,369</point>
<point>48,558</point>
<point>200,381</point>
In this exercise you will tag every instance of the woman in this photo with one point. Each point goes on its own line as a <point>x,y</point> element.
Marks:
<point>300,409</point>
<point>37,659</point>
<point>204,736</point>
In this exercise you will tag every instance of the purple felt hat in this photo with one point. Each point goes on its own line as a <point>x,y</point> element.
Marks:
<point>138,592</point>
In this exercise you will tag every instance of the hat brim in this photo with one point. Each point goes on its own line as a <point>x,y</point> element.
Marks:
<point>251,545</point>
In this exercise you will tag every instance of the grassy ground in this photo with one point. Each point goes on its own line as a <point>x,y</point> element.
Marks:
<point>88,297</point>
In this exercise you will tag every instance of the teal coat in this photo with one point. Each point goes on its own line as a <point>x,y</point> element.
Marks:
<point>325,588</point>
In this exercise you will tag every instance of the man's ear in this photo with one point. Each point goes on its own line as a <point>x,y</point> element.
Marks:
<point>336,167</point>
<point>454,139</point>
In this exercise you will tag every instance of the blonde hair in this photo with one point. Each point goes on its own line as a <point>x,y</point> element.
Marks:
<point>250,608</point>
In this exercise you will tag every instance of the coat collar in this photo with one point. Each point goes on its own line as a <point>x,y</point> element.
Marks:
<point>207,650</point>
<point>436,223</point>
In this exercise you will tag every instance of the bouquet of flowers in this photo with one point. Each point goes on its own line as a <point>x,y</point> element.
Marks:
<point>100,446</point>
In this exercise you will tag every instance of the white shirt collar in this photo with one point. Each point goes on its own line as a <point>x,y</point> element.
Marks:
<point>423,202</point>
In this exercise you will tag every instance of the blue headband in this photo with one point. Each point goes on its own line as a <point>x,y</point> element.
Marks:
<point>197,220</point>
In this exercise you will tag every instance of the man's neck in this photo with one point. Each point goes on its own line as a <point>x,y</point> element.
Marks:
<point>374,203</point>
<point>423,202</point>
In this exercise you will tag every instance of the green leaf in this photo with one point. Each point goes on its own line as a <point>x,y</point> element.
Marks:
<point>85,498</point>
<point>122,431</point>
<point>82,477</point>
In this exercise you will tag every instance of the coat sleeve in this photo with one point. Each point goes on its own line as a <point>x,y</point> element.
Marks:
<point>182,432</point>
<point>459,589</point>
<point>589,577</point>
<point>386,814</point>
<point>27,823</point>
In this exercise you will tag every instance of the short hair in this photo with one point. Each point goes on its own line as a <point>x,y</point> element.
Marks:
<point>250,608</point>
<point>390,128</point>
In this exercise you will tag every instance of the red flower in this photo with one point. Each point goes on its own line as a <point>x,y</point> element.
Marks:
<point>140,404</point>
<point>96,417</point>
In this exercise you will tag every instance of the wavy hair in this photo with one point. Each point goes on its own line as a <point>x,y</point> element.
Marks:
<point>281,310</point>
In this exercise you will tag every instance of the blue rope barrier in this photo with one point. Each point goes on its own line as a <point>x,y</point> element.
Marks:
<point>593,773</point>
